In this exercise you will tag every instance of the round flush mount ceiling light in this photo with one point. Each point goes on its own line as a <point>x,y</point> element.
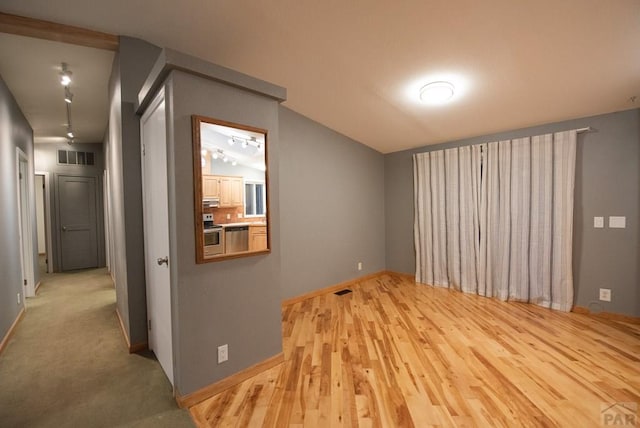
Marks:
<point>436,92</point>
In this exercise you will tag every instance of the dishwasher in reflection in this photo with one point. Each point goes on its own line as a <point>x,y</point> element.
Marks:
<point>236,239</point>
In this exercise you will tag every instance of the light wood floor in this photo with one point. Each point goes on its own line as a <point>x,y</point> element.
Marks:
<point>396,354</point>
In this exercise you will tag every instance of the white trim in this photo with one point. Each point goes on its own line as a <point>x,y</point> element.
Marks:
<point>107,219</point>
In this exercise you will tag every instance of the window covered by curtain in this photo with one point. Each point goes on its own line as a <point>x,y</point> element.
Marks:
<point>497,219</point>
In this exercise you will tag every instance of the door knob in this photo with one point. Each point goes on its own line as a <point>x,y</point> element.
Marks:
<point>164,260</point>
<point>64,228</point>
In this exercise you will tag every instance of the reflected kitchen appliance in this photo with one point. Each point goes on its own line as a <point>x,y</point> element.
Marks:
<point>236,239</point>
<point>210,202</point>
<point>213,236</point>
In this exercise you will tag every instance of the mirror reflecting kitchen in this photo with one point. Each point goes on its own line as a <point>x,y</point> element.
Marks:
<point>231,192</point>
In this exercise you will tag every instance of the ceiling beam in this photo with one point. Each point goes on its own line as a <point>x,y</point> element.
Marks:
<point>30,27</point>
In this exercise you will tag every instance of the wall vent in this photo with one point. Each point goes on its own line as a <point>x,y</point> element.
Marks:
<point>71,157</point>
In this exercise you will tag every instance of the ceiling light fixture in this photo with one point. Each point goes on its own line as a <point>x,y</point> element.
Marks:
<point>68,96</point>
<point>65,75</point>
<point>245,142</point>
<point>65,79</point>
<point>437,92</point>
<point>220,154</point>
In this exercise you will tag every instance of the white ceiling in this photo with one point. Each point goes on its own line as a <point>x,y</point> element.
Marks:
<point>355,66</point>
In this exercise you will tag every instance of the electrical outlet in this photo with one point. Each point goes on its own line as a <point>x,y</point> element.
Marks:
<point>223,353</point>
<point>359,265</point>
<point>605,294</point>
<point>228,216</point>
<point>19,298</point>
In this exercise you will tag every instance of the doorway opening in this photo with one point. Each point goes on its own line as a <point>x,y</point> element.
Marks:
<point>43,223</point>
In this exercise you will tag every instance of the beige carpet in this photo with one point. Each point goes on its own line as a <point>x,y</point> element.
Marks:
<point>67,364</point>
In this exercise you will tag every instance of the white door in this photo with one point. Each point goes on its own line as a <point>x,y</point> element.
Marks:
<point>156,232</point>
<point>25,230</point>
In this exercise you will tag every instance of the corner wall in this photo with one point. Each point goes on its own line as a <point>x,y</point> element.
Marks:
<point>332,206</point>
<point>607,184</point>
<point>122,160</point>
<point>15,132</point>
<point>234,301</point>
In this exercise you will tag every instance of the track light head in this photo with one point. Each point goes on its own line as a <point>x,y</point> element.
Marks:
<point>65,75</point>
<point>68,96</point>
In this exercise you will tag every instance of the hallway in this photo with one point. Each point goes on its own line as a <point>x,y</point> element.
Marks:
<point>67,364</point>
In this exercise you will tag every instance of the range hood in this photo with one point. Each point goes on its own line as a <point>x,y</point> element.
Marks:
<point>211,202</point>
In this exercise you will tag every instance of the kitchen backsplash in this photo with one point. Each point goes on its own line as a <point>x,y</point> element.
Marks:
<point>220,215</point>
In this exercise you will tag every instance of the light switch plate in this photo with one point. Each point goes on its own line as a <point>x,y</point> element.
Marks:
<point>223,353</point>
<point>617,222</point>
<point>598,222</point>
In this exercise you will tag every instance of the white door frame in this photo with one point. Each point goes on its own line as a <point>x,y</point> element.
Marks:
<point>24,198</point>
<point>159,315</point>
<point>107,218</point>
<point>47,218</point>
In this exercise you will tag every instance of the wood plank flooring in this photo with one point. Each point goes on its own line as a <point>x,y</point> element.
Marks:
<point>397,354</point>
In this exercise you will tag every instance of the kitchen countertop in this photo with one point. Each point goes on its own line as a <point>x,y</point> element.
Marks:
<point>255,223</point>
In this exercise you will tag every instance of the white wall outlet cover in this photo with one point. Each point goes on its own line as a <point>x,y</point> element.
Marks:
<point>605,294</point>
<point>359,265</point>
<point>598,222</point>
<point>617,222</point>
<point>228,216</point>
<point>223,353</point>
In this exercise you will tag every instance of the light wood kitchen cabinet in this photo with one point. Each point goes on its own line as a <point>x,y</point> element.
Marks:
<point>257,238</point>
<point>230,191</point>
<point>210,186</point>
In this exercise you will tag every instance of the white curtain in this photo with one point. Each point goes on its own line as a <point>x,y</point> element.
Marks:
<point>497,219</point>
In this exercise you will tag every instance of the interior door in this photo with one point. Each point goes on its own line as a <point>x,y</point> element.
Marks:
<point>156,232</point>
<point>78,219</point>
<point>25,229</point>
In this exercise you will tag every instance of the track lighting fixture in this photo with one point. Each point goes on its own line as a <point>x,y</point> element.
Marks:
<point>68,96</point>
<point>245,142</point>
<point>65,80</point>
<point>220,154</point>
<point>65,75</point>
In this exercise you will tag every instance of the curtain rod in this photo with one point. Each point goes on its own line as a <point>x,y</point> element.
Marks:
<point>587,129</point>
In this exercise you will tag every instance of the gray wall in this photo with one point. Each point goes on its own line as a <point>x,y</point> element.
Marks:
<point>332,206</point>
<point>607,183</point>
<point>15,131</point>
<point>46,159</point>
<point>234,302</point>
<point>122,158</point>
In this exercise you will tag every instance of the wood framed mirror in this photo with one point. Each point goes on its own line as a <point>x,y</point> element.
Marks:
<point>231,192</point>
